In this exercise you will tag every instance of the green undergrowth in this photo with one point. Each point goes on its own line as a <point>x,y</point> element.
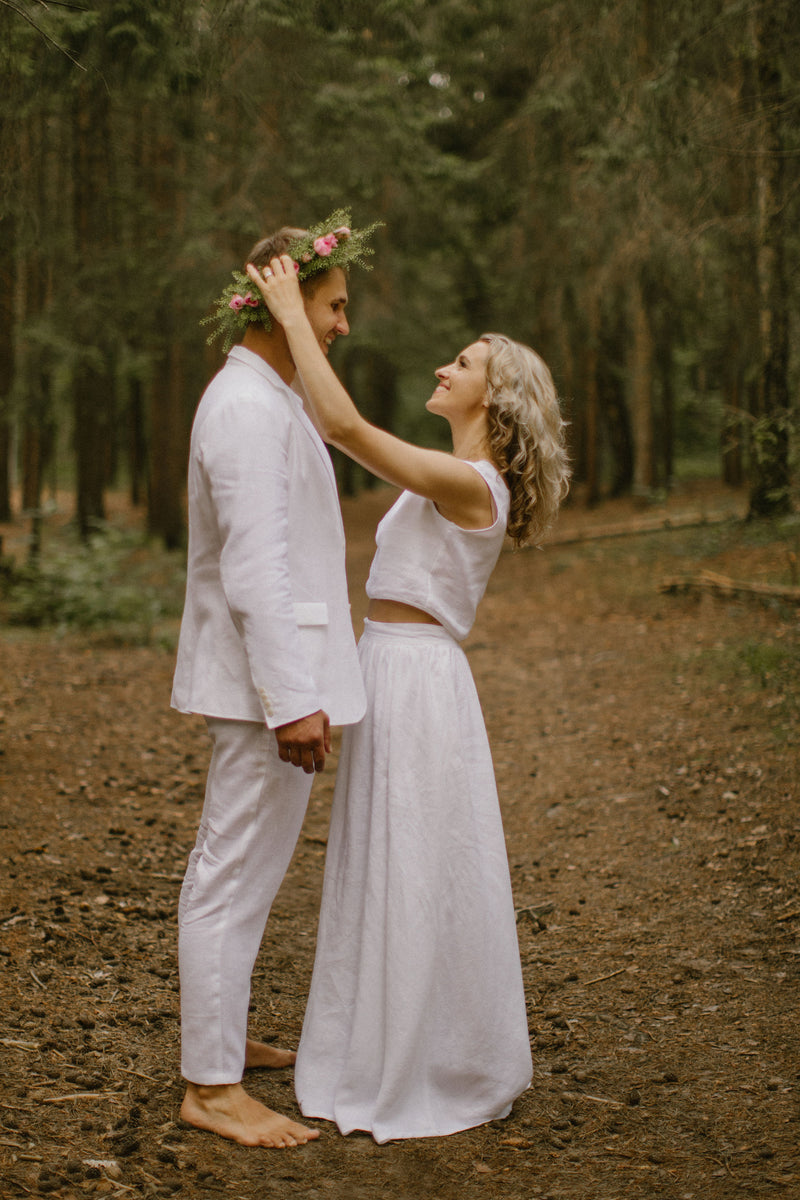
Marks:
<point>759,657</point>
<point>117,583</point>
<point>768,666</point>
<point>629,568</point>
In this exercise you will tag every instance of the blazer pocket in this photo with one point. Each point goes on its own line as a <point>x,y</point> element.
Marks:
<point>311,613</point>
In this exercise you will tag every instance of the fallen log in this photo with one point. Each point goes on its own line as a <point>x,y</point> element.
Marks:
<point>645,524</point>
<point>726,588</point>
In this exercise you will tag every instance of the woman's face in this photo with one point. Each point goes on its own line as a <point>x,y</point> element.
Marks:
<point>462,384</point>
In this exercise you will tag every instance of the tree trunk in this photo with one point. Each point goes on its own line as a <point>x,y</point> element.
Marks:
<point>732,434</point>
<point>641,391</point>
<point>31,295</point>
<point>7,328</point>
<point>611,397</point>
<point>93,394</point>
<point>167,449</point>
<point>371,379</point>
<point>137,441</point>
<point>592,396</point>
<point>168,430</point>
<point>771,477</point>
<point>665,434</point>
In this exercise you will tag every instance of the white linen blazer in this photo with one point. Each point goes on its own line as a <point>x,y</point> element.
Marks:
<point>266,633</point>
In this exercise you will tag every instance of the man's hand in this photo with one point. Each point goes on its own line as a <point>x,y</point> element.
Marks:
<point>305,743</point>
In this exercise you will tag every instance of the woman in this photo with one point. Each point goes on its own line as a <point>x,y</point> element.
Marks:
<point>416,1023</point>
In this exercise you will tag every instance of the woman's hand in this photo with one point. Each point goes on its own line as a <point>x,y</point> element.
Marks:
<point>279,286</point>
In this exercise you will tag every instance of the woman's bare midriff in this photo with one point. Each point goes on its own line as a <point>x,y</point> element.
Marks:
<point>396,611</point>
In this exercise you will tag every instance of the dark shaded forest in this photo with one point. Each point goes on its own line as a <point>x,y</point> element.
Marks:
<point>614,182</point>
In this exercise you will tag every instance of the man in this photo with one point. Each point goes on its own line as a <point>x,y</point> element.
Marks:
<point>267,655</point>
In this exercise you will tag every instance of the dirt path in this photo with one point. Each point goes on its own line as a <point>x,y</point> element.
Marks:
<point>646,749</point>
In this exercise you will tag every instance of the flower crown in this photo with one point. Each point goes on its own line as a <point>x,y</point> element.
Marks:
<point>330,244</point>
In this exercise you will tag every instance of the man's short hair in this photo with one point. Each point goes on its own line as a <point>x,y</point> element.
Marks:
<point>274,246</point>
<point>277,244</point>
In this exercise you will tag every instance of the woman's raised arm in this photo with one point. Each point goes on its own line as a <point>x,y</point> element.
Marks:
<point>458,491</point>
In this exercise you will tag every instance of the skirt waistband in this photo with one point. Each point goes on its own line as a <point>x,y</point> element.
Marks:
<point>407,629</point>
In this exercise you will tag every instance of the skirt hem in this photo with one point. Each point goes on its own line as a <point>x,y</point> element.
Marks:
<point>442,1131</point>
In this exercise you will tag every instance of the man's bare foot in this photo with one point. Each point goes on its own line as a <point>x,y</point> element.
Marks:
<point>260,1054</point>
<point>229,1111</point>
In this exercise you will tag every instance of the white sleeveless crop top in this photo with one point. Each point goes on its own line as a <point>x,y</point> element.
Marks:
<point>425,560</point>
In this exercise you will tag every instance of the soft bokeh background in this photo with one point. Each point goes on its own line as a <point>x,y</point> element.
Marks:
<point>614,182</point>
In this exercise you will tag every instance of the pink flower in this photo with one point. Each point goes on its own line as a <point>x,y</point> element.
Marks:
<point>297,265</point>
<point>251,301</point>
<point>237,302</point>
<point>307,256</point>
<point>324,245</point>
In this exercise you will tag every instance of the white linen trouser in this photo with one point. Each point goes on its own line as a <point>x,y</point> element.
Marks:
<point>252,816</point>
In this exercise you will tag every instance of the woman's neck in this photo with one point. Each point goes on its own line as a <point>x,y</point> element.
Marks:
<point>471,444</point>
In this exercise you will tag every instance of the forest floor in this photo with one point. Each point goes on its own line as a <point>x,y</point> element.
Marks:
<point>646,749</point>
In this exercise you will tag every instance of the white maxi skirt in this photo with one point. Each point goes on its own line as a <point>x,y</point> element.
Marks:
<point>416,1023</point>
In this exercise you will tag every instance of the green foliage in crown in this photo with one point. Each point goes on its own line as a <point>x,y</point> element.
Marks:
<point>330,244</point>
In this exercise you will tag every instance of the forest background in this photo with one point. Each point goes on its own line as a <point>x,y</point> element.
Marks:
<point>613,181</point>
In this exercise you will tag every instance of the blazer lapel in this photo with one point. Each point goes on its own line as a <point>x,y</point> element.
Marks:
<point>295,402</point>
<point>319,445</point>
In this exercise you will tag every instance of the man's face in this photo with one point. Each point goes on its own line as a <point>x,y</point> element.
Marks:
<point>325,309</point>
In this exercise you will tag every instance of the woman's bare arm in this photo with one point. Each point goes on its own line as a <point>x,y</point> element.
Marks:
<point>459,492</point>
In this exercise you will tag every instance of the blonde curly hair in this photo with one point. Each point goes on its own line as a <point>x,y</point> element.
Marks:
<point>526,436</point>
